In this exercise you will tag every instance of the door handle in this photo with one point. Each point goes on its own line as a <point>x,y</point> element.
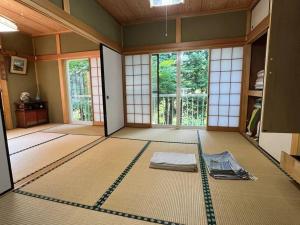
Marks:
<point>107,97</point>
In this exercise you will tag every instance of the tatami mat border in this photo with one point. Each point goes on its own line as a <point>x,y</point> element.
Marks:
<point>88,135</point>
<point>104,197</point>
<point>112,212</point>
<point>62,135</point>
<point>171,142</point>
<point>88,146</point>
<point>210,214</point>
<point>42,130</point>
<point>109,191</point>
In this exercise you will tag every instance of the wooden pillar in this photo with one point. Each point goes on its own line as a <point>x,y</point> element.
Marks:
<point>178,29</point>
<point>62,82</point>
<point>295,146</point>
<point>67,6</point>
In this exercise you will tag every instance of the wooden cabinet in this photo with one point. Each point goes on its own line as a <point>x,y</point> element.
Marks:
<point>282,90</point>
<point>31,114</point>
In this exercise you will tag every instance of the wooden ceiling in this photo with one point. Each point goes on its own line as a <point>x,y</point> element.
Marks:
<point>28,20</point>
<point>134,11</point>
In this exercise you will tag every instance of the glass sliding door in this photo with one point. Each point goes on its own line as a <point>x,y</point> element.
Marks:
<point>80,98</point>
<point>193,88</point>
<point>179,88</point>
<point>164,86</point>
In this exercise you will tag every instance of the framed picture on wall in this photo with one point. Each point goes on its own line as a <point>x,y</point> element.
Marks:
<point>18,65</point>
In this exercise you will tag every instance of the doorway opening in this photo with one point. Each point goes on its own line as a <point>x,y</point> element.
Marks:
<point>80,97</point>
<point>180,88</point>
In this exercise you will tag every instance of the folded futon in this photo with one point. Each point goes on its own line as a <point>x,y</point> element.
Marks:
<point>174,161</point>
<point>225,166</point>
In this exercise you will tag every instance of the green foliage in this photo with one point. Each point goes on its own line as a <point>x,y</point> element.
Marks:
<point>79,85</point>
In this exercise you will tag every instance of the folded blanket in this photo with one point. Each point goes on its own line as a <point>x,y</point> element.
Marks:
<point>174,161</point>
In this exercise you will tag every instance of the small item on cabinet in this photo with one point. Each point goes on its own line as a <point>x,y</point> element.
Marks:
<point>25,97</point>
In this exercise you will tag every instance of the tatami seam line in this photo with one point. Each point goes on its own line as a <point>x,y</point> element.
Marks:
<point>63,135</point>
<point>42,131</point>
<point>93,143</point>
<point>170,142</point>
<point>109,191</point>
<point>97,206</point>
<point>210,214</point>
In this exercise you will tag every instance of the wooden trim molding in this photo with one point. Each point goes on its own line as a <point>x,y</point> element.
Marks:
<point>49,9</point>
<point>138,125</point>
<point>71,55</point>
<point>259,30</point>
<point>185,46</point>
<point>224,129</point>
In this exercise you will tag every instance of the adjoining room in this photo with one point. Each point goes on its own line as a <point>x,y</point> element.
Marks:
<point>174,112</point>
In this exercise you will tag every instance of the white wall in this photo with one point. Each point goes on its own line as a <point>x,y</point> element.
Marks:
<point>5,182</point>
<point>275,143</point>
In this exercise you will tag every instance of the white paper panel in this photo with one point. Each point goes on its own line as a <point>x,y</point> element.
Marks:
<point>235,99</point>
<point>96,100</point>
<point>215,54</point>
<point>137,99</point>
<point>137,80</point>
<point>226,53</point>
<point>145,79</point>
<point>235,88</point>
<point>234,121</point>
<point>145,69</point>
<point>146,99</point>
<point>94,72</point>
<point>130,109</point>
<point>137,90</point>
<point>223,121</point>
<point>215,77</point>
<point>214,99</point>
<point>224,88</point>
<point>224,100</point>
<point>129,90</point>
<point>145,59</point>
<point>225,77</point>
<point>237,53</point>
<point>128,70</point>
<point>237,64</point>
<point>146,118</point>
<point>136,60</point>
<point>213,121</point>
<point>129,80</point>
<point>223,110</point>
<point>129,99</point>
<point>214,88</point>
<point>138,118</point>
<point>96,117</point>
<point>236,76</point>
<point>213,111</point>
<point>215,66</point>
<point>128,60</point>
<point>137,70</point>
<point>130,118</point>
<point>145,89</point>
<point>93,62</point>
<point>146,109</point>
<point>225,65</point>
<point>138,109</point>
<point>234,111</point>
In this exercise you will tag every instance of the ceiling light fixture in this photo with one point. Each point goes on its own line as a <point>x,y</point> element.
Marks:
<point>7,25</point>
<point>158,3</point>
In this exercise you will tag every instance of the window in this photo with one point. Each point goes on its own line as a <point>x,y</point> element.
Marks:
<point>156,3</point>
<point>226,67</point>
<point>137,89</point>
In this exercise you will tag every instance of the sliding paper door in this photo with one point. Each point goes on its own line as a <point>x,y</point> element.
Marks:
<point>137,78</point>
<point>226,68</point>
<point>5,170</point>
<point>97,91</point>
<point>112,84</point>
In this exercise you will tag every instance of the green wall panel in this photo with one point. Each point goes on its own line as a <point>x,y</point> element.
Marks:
<point>22,45</point>
<point>59,3</point>
<point>93,14</point>
<point>45,45</point>
<point>72,42</point>
<point>50,89</point>
<point>149,33</point>
<point>217,26</point>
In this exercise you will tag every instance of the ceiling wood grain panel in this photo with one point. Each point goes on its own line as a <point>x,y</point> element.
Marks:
<point>28,20</point>
<point>134,11</point>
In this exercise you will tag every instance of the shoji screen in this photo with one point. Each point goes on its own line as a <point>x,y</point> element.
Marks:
<point>137,73</point>
<point>97,91</point>
<point>226,66</point>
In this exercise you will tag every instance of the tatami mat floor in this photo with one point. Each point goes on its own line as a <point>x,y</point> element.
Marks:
<point>77,129</point>
<point>112,183</point>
